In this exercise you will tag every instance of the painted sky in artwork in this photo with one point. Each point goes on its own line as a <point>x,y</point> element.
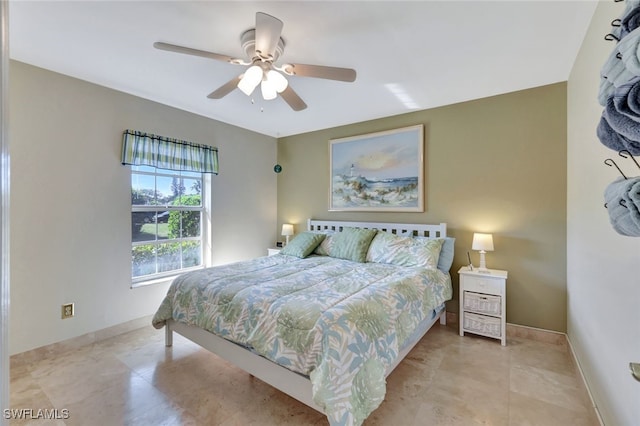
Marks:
<point>388,156</point>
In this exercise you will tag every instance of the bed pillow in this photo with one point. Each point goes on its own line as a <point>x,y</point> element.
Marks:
<point>302,244</point>
<point>405,251</point>
<point>446,253</point>
<point>325,247</point>
<point>352,244</point>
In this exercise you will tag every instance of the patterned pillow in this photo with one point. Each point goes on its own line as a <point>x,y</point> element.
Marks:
<point>325,247</point>
<point>405,251</point>
<point>352,244</point>
<point>302,244</point>
<point>446,254</point>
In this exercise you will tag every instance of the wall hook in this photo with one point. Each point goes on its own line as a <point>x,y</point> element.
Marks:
<point>608,162</point>
<point>624,151</point>
<point>623,203</point>
<point>611,37</point>
<point>616,22</point>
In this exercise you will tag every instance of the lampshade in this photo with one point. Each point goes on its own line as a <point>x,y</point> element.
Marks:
<point>482,242</point>
<point>277,80</point>
<point>251,78</point>
<point>268,91</point>
<point>287,229</point>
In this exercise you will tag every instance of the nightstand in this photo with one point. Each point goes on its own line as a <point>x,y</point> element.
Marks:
<point>273,250</point>
<point>483,303</point>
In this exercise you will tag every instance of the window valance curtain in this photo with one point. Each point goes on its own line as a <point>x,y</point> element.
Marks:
<point>145,149</point>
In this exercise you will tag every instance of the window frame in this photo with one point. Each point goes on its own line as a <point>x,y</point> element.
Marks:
<point>204,209</point>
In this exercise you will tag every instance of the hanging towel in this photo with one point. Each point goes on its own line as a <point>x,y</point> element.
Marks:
<point>606,90</point>
<point>620,128</point>
<point>619,215</point>
<point>630,18</point>
<point>612,139</point>
<point>612,62</point>
<point>630,6</point>
<point>626,100</point>
<point>628,123</point>
<point>614,73</point>
<point>620,74</point>
<point>629,48</point>
<point>632,200</point>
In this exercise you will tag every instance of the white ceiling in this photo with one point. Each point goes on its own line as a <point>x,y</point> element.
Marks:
<point>408,55</point>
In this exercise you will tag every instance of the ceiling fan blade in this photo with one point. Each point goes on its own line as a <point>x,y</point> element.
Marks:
<point>195,52</point>
<point>320,71</point>
<point>268,31</point>
<point>291,97</point>
<point>225,89</point>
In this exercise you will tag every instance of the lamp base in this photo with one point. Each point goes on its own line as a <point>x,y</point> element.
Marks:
<point>286,243</point>
<point>483,264</point>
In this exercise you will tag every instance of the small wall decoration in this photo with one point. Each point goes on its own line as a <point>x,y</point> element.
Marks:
<point>378,172</point>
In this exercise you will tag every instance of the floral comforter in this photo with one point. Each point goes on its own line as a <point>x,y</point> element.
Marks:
<point>339,322</point>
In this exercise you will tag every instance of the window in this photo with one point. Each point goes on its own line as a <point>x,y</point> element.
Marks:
<point>167,211</point>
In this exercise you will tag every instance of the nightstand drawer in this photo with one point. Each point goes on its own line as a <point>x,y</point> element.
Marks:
<point>483,303</point>
<point>483,285</point>
<point>476,323</point>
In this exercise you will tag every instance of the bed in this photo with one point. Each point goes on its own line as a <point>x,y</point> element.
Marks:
<point>328,318</point>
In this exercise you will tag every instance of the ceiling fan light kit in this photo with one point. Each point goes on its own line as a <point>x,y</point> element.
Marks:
<point>250,80</point>
<point>264,45</point>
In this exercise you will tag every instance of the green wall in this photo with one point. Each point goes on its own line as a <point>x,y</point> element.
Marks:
<point>71,202</point>
<point>494,165</point>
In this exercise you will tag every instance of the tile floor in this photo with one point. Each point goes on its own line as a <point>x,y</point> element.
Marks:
<point>132,379</point>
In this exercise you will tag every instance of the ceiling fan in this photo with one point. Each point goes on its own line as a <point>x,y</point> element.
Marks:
<point>263,46</point>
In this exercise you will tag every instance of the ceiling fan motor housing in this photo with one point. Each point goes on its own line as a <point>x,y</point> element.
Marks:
<point>248,40</point>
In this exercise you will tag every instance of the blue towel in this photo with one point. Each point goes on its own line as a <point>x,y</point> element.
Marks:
<point>630,18</point>
<point>620,129</point>
<point>629,48</point>
<point>630,5</point>
<point>619,215</point>
<point>614,73</point>
<point>626,100</point>
<point>628,123</point>
<point>632,199</point>
<point>612,139</point>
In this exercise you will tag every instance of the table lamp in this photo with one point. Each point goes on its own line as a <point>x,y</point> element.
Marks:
<point>287,231</point>
<point>484,243</point>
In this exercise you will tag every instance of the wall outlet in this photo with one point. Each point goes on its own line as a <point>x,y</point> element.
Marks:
<point>68,310</point>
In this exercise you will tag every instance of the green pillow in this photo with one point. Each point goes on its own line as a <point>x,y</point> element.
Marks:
<point>352,244</point>
<point>405,251</point>
<point>302,244</point>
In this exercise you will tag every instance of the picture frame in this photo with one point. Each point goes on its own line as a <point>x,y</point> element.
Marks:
<point>378,172</point>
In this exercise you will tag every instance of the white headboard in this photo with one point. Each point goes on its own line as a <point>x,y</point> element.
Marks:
<point>408,229</point>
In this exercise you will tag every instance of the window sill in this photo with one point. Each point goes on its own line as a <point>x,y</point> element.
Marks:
<point>162,280</point>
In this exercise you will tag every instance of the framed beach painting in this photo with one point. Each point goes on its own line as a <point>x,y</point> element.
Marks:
<point>378,172</point>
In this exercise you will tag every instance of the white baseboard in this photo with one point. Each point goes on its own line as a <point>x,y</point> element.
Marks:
<point>584,381</point>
